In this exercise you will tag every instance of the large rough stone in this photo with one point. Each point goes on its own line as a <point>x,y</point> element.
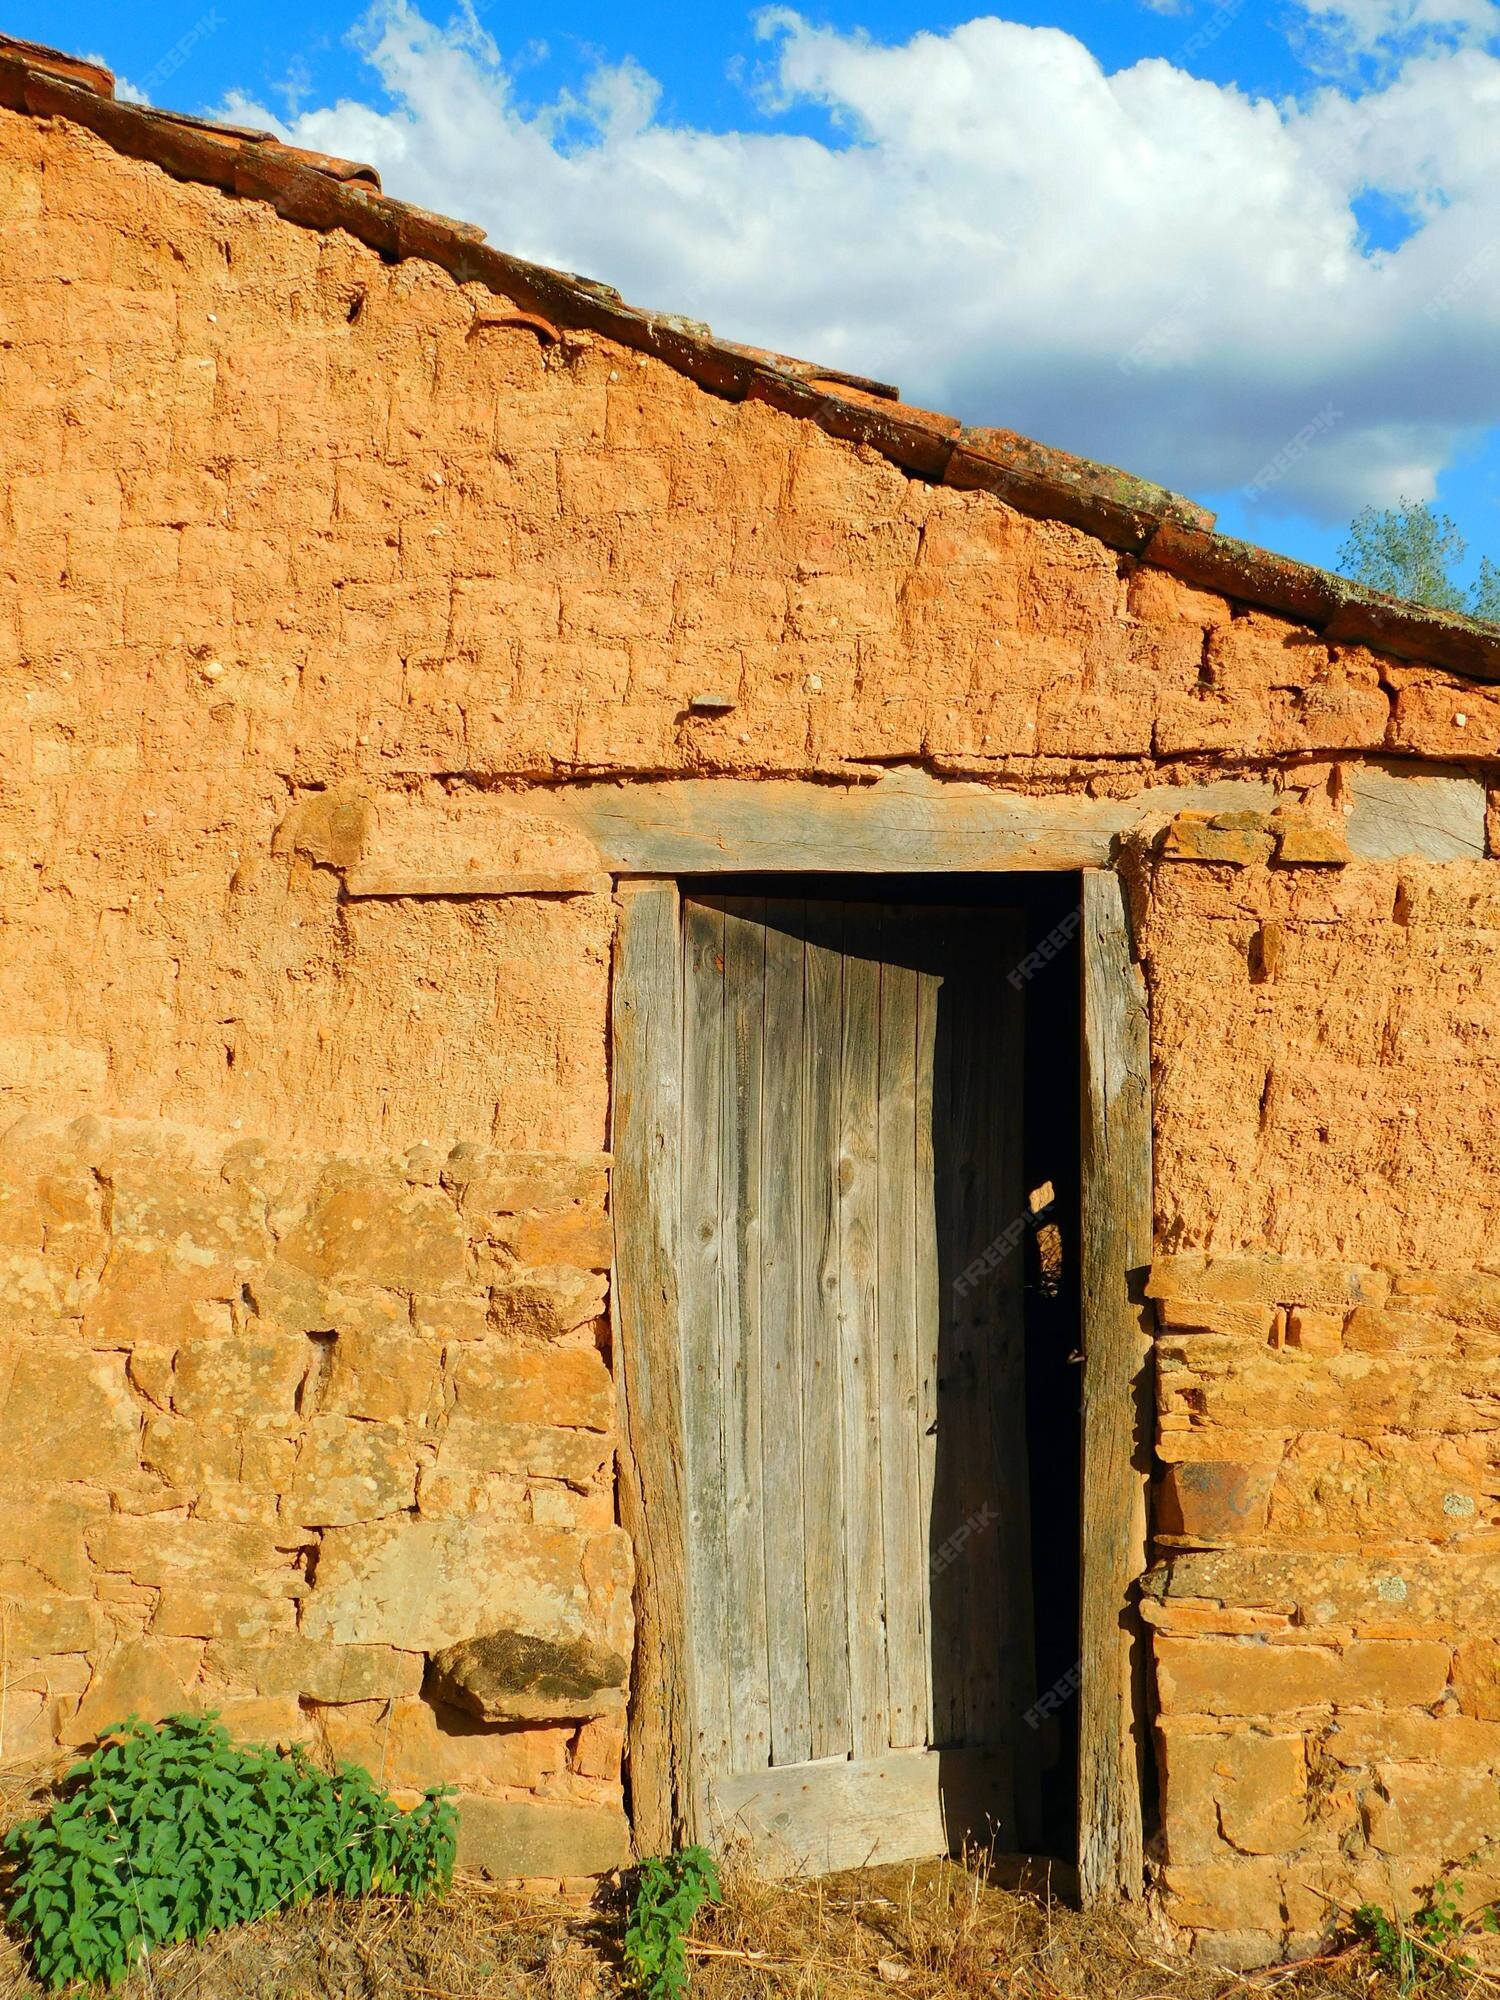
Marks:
<point>527,1385</point>
<point>178,1239</point>
<point>511,1839</point>
<point>203,1553</point>
<point>377,1230</point>
<point>545,1305</point>
<point>516,1676</point>
<point>1264,1280</point>
<point>475,1447</point>
<point>394,1375</point>
<point>352,1471</point>
<point>296,1665</point>
<point>221,1380</point>
<point>142,1677</point>
<point>412,1743</point>
<point>43,1548</point>
<point>503,1184</point>
<point>1476,1679</point>
<point>425,1584</point>
<point>69,1414</point>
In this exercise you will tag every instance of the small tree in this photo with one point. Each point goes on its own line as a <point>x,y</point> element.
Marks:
<point>1411,552</point>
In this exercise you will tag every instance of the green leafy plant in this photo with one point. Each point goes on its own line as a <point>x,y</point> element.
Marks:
<point>1422,1950</point>
<point>169,1831</point>
<point>669,1891</point>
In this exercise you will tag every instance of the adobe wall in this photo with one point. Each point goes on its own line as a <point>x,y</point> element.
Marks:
<point>304,1359</point>
<point>1326,1605</point>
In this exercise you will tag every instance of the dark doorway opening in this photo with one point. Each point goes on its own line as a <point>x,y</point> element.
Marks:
<point>999,956</point>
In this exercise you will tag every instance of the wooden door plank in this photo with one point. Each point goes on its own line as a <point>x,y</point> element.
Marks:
<point>822,1453</point>
<point>903,1805</point>
<point>700,1282</point>
<point>953,1417</point>
<point>1009,1523</point>
<point>740,1177</point>
<point>859,1343</point>
<point>646,1125</point>
<point>1116,1249</point>
<point>928,1302</point>
<point>781,1335</point>
<point>904,1531</point>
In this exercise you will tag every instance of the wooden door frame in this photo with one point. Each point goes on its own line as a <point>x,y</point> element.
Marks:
<point>667,1788</point>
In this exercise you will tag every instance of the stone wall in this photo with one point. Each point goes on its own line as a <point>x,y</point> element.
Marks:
<point>284,1433</point>
<point>302,1381</point>
<point>1326,1600</point>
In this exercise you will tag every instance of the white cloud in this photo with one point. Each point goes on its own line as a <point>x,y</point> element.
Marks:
<point>1142,266</point>
<point>1385,30</point>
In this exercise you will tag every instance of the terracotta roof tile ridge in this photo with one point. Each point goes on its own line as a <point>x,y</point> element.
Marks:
<point>1141,520</point>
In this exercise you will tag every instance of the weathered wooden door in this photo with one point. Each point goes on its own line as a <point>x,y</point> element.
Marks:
<point>849,1283</point>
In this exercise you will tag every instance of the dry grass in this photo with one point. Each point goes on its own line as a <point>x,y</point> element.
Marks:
<point>934,1932</point>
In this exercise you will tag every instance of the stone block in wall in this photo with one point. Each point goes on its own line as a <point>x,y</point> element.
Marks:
<point>179,1240</point>
<point>1364,1738</point>
<point>1240,839</point>
<point>375,1230</point>
<point>159,1551</point>
<point>1476,1678</point>
<point>511,1839</point>
<point>1304,842</point>
<point>143,1677</point>
<point>1336,1393</point>
<point>1313,1332</point>
<point>1242,1895</point>
<point>397,1376</point>
<point>350,1470</point>
<point>286,1299</point>
<point>493,1185</point>
<point>1421,1814</point>
<point>1385,1487</point>
<point>475,1448</point>
<point>1243,1677</point>
<point>545,1304</point>
<point>246,1377</point>
<point>1247,1322</point>
<point>417,1743</point>
<point>69,1412</point>
<point>452,1315</point>
<point>1470,1297</point>
<point>567,1386</point>
<point>598,1748</point>
<point>1400,1589</point>
<point>1440,717</point>
<point>191,1454</point>
<point>296,1665</point>
<point>192,1611</point>
<point>1245,1790</point>
<point>43,1549</point>
<point>1265,1280</point>
<point>572,1237</point>
<point>34,1626</point>
<point>424,1584</point>
<point>1213,1499</point>
<point>1394,1673</point>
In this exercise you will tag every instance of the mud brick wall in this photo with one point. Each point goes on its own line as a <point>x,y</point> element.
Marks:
<point>303,1399</point>
<point>1326,1601</point>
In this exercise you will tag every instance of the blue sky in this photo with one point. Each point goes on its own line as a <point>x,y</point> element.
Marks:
<point>1250,250</point>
